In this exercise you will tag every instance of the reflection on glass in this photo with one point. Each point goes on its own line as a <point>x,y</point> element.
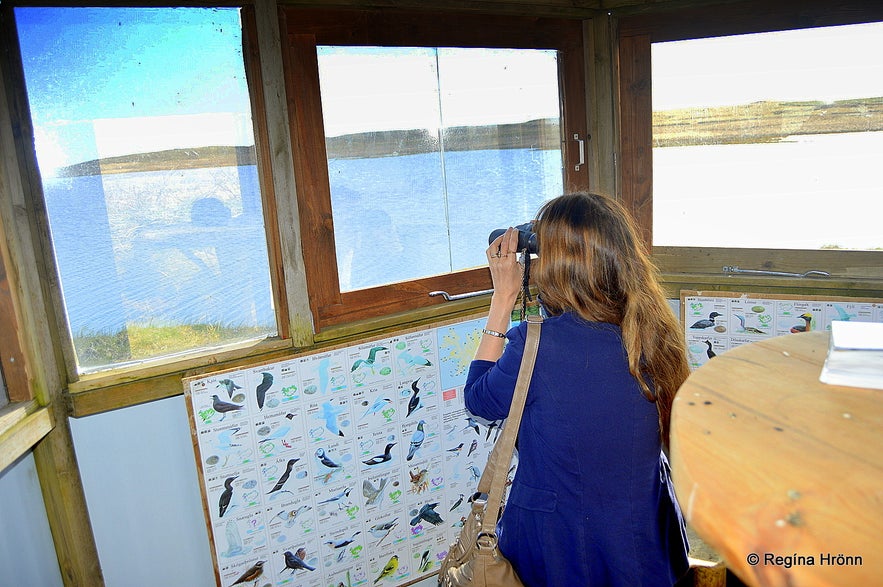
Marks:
<point>769,140</point>
<point>429,149</point>
<point>149,177</point>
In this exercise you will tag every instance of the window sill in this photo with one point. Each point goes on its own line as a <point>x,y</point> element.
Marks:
<point>161,378</point>
<point>848,287</point>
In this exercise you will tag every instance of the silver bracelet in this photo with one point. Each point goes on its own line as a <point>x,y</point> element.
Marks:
<point>493,333</point>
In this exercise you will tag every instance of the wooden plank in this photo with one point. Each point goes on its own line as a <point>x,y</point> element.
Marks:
<point>20,429</point>
<point>768,460</point>
<point>636,131</point>
<point>66,509</point>
<point>841,264</point>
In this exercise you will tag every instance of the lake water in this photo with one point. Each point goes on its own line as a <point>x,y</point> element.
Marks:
<point>129,251</point>
<point>128,256</point>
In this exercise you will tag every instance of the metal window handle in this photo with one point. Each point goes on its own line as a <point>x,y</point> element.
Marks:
<point>812,273</point>
<point>450,298</point>
<point>582,151</point>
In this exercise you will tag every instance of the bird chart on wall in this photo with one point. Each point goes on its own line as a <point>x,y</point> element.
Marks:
<point>715,322</point>
<point>350,466</point>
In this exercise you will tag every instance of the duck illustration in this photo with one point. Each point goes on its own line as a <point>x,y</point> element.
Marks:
<point>711,354</point>
<point>806,326</point>
<point>706,323</point>
<point>748,329</point>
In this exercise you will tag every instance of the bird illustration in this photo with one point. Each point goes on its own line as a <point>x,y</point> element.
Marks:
<point>416,440</point>
<point>226,496</point>
<point>425,563</point>
<point>748,329</point>
<point>296,561</point>
<point>263,386</point>
<point>326,460</point>
<point>474,472</point>
<point>457,503</point>
<point>378,405</point>
<point>389,569</point>
<point>471,423</point>
<point>344,541</point>
<point>379,459</point>
<point>253,573</point>
<point>409,361</point>
<point>707,323</point>
<point>456,449</point>
<point>290,516</point>
<point>225,439</point>
<point>284,477</point>
<point>235,545</point>
<point>843,314</point>
<point>280,432</point>
<point>472,448</point>
<point>382,529</point>
<point>807,319</point>
<point>427,512</point>
<point>414,402</point>
<point>493,427</point>
<point>222,407</point>
<point>229,385</point>
<point>340,499</point>
<point>372,493</point>
<point>329,414</point>
<point>711,354</point>
<point>372,357</point>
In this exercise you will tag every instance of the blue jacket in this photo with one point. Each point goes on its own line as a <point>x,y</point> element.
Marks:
<point>591,503</point>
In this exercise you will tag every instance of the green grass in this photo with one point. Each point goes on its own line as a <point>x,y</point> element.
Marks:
<point>139,342</point>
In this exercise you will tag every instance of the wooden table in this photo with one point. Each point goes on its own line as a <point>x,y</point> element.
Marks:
<point>768,462</point>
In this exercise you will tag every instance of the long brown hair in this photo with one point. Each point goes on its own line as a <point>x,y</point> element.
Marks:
<point>591,262</point>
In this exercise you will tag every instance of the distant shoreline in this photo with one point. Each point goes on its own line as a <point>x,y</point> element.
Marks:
<point>672,128</point>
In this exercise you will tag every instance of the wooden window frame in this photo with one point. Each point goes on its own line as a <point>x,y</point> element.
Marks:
<point>856,272</point>
<point>123,385</point>
<point>304,29</point>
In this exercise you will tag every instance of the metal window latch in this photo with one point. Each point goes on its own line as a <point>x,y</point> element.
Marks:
<point>730,269</point>
<point>450,298</point>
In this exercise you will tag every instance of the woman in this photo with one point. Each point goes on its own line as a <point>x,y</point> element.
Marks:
<point>591,503</point>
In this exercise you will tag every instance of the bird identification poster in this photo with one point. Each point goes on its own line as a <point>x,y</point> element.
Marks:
<point>715,322</point>
<point>350,466</point>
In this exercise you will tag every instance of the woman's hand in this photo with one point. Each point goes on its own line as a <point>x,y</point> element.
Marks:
<point>506,271</point>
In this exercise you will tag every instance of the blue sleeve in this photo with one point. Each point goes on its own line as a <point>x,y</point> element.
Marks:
<point>490,386</point>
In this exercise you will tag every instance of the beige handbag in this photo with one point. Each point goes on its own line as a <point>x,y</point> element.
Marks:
<point>475,560</point>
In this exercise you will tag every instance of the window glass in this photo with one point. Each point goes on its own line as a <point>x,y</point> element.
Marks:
<point>146,149</point>
<point>429,149</point>
<point>769,140</point>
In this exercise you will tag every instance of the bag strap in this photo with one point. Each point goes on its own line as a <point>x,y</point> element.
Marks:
<point>493,480</point>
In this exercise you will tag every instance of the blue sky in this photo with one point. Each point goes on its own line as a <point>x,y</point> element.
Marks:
<point>83,64</point>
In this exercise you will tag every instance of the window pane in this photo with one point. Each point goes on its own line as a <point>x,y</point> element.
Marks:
<point>429,149</point>
<point>146,149</point>
<point>769,140</point>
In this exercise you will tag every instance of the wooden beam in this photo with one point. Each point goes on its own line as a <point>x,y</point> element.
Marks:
<point>18,438</point>
<point>31,262</point>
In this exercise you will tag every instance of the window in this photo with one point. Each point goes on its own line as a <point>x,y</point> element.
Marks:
<point>761,135</point>
<point>146,148</point>
<point>414,138</point>
<point>769,140</point>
